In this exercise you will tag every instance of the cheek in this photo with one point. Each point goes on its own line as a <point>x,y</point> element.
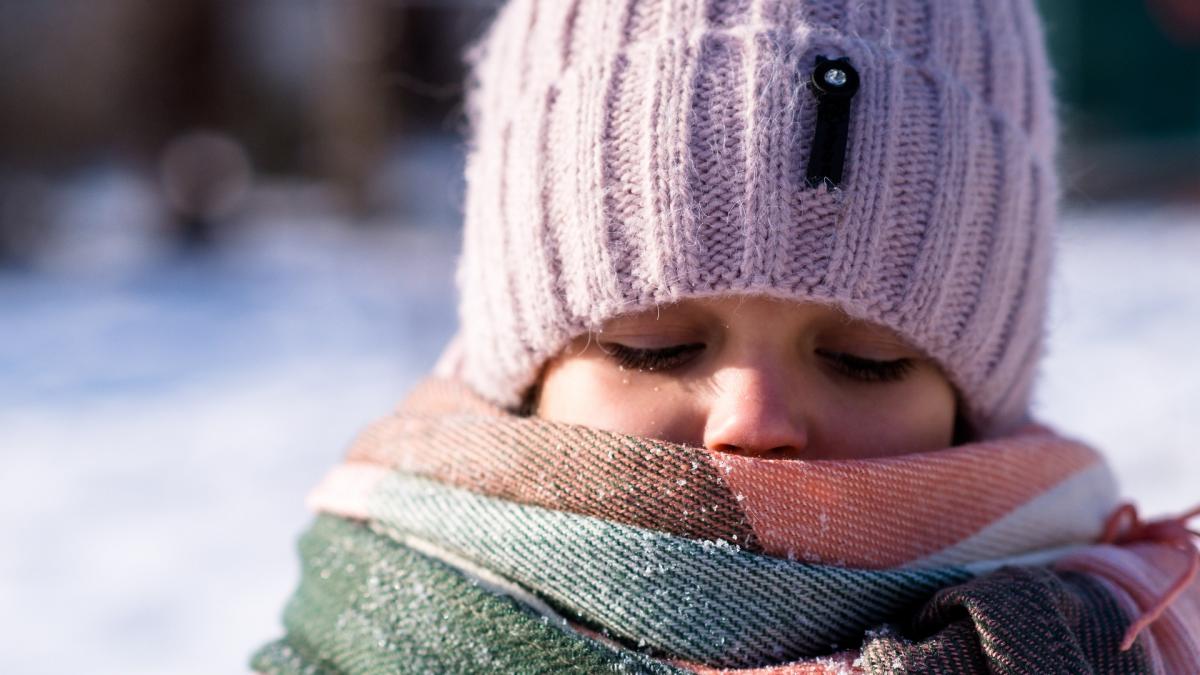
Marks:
<point>933,408</point>
<point>916,417</point>
<point>585,392</point>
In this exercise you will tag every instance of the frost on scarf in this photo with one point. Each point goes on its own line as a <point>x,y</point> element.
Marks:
<point>458,538</point>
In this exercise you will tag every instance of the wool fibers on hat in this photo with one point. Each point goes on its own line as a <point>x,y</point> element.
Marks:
<point>626,153</point>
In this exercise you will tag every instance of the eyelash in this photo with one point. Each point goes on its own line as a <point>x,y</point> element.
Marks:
<point>868,370</point>
<point>650,359</point>
<point>854,367</point>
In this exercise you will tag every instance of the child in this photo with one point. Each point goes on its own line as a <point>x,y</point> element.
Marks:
<point>752,297</point>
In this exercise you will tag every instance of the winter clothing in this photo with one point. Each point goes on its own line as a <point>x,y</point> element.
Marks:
<point>627,153</point>
<point>459,538</point>
<point>893,158</point>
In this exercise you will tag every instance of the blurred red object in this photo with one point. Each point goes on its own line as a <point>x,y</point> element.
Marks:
<point>1179,19</point>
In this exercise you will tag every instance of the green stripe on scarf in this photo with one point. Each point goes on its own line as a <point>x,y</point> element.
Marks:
<point>701,601</point>
<point>486,563</point>
<point>368,605</point>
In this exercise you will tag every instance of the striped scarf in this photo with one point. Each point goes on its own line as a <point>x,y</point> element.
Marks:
<point>456,537</point>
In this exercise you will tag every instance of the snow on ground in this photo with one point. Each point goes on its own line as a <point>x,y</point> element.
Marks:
<point>1122,369</point>
<point>159,433</point>
<point>160,422</point>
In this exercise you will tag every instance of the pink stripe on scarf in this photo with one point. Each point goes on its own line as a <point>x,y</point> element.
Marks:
<point>1144,574</point>
<point>887,512</point>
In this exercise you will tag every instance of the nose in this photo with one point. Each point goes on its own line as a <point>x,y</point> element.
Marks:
<point>753,413</point>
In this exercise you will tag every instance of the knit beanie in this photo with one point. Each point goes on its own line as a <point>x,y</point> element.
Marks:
<point>893,158</point>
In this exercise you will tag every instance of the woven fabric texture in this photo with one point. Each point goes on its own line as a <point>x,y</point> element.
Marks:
<point>555,556</point>
<point>627,153</point>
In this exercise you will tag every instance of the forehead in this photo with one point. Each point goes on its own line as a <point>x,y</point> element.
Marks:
<point>737,308</point>
<point>754,312</point>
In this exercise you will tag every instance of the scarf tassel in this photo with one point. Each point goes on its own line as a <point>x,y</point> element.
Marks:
<point>1125,526</point>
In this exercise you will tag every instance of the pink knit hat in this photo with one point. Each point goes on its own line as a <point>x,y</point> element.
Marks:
<point>627,153</point>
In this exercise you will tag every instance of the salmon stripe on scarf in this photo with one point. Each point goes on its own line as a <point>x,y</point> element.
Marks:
<point>457,537</point>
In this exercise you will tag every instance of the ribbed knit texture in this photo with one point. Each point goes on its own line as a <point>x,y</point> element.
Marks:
<point>627,153</point>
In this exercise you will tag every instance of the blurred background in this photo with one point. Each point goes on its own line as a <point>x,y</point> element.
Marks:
<point>228,230</point>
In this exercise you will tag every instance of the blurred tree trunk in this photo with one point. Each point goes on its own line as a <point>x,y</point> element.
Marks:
<point>350,112</point>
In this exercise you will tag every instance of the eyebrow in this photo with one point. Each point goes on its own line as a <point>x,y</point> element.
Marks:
<point>656,315</point>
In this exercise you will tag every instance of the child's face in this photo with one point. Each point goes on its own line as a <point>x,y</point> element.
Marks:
<point>755,376</point>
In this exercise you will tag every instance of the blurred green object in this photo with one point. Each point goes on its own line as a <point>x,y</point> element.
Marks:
<point>1126,69</point>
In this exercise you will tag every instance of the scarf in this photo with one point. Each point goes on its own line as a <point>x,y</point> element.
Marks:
<point>456,537</point>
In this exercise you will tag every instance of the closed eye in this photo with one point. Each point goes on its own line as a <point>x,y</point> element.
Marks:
<point>867,370</point>
<point>663,358</point>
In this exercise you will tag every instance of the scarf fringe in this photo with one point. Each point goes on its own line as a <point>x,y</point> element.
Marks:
<point>623,550</point>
